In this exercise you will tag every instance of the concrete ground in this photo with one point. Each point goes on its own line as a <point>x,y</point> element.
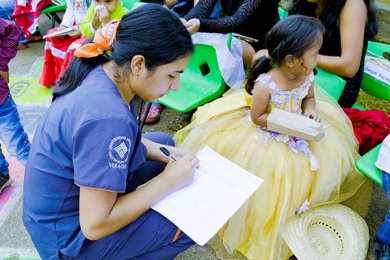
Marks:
<point>14,240</point>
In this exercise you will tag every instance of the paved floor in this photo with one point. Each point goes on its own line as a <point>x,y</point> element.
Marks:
<point>15,242</point>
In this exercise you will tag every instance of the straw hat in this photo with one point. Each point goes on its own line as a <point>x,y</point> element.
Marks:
<point>327,232</point>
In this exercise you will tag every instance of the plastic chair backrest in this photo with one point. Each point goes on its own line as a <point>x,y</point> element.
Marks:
<point>54,7</point>
<point>366,165</point>
<point>370,84</point>
<point>282,13</point>
<point>129,3</point>
<point>331,83</point>
<point>200,82</point>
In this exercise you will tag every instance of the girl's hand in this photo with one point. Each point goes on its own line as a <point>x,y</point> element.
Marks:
<point>75,34</point>
<point>104,15</point>
<point>96,19</point>
<point>312,114</point>
<point>180,173</point>
<point>5,76</point>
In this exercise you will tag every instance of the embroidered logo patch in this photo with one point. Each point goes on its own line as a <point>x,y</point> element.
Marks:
<point>119,151</point>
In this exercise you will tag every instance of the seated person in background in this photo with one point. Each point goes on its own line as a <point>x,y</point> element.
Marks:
<point>26,15</point>
<point>57,47</point>
<point>382,243</point>
<point>100,13</point>
<point>6,11</point>
<point>349,24</point>
<point>251,18</point>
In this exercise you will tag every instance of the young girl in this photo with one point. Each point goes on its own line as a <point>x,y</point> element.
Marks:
<point>100,13</point>
<point>296,172</point>
<point>60,51</point>
<point>56,48</point>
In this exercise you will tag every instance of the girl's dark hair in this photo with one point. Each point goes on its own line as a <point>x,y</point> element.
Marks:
<point>330,16</point>
<point>150,30</point>
<point>290,36</point>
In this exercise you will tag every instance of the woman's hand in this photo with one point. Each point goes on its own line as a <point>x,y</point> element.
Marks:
<point>96,19</point>
<point>104,15</point>
<point>180,173</point>
<point>312,114</point>
<point>193,25</point>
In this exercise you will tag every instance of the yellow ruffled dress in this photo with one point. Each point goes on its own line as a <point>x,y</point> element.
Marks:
<point>294,170</point>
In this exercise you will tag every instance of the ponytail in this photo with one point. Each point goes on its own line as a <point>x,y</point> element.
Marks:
<point>262,64</point>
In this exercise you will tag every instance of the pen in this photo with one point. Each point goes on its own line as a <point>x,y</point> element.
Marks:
<point>167,153</point>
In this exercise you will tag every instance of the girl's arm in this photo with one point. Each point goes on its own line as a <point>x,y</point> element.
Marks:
<point>309,105</point>
<point>353,19</point>
<point>68,19</point>
<point>103,212</point>
<point>259,105</point>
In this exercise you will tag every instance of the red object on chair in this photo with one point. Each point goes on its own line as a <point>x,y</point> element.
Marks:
<point>370,127</point>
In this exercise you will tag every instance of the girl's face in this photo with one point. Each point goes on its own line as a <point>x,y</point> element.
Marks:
<point>109,4</point>
<point>152,85</point>
<point>309,59</point>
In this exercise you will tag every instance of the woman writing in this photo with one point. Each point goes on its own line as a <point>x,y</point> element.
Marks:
<point>81,193</point>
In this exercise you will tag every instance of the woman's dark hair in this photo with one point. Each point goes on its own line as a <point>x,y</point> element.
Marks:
<point>290,36</point>
<point>330,16</point>
<point>150,30</point>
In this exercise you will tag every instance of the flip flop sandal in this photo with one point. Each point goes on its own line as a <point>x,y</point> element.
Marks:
<point>154,113</point>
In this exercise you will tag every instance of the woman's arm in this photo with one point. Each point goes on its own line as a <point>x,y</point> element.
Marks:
<point>202,9</point>
<point>103,212</point>
<point>259,105</point>
<point>228,24</point>
<point>353,19</point>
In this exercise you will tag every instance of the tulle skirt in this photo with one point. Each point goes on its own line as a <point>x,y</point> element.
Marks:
<point>287,170</point>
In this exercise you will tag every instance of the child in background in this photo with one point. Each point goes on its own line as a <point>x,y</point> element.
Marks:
<point>296,172</point>
<point>12,134</point>
<point>382,243</point>
<point>56,48</point>
<point>26,15</point>
<point>100,13</point>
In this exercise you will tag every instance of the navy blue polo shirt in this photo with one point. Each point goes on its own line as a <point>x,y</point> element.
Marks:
<point>87,138</point>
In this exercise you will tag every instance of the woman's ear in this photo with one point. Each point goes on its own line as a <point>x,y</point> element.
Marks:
<point>138,65</point>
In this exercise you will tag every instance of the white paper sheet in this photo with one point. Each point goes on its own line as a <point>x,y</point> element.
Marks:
<point>219,189</point>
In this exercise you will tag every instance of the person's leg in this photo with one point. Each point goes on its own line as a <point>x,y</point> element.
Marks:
<point>382,245</point>
<point>151,236</point>
<point>12,133</point>
<point>4,176</point>
<point>149,169</point>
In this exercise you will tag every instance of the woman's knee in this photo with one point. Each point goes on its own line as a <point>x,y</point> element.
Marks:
<point>160,137</point>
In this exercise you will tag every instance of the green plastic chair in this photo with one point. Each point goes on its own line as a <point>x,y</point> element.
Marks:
<point>50,11</point>
<point>197,87</point>
<point>130,3</point>
<point>331,83</point>
<point>282,13</point>
<point>372,85</point>
<point>366,165</point>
